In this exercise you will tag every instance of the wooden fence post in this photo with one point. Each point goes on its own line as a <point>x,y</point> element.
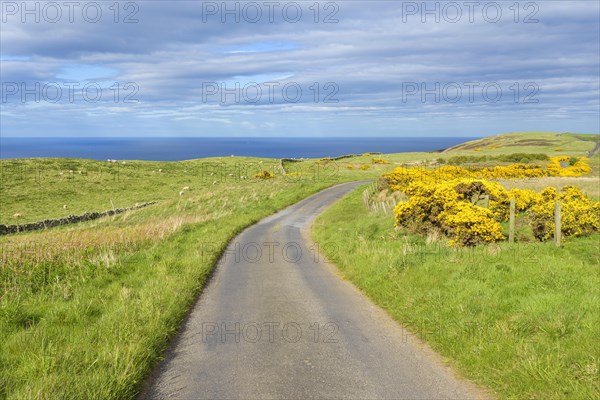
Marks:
<point>557,221</point>
<point>511,222</point>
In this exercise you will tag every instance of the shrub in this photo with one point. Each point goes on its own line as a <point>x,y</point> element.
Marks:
<point>264,174</point>
<point>579,167</point>
<point>470,225</point>
<point>512,158</point>
<point>573,161</point>
<point>579,214</point>
<point>468,207</point>
<point>425,203</point>
<point>485,194</point>
<point>379,161</point>
<point>449,206</point>
<point>365,167</point>
<point>513,171</point>
<point>400,177</point>
<point>524,198</point>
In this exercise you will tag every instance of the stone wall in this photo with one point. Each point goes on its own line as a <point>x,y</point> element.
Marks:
<point>282,160</point>
<point>71,219</point>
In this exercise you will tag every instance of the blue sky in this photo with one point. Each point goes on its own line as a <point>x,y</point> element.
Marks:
<point>345,68</point>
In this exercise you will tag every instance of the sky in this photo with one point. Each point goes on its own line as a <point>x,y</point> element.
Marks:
<point>298,68</point>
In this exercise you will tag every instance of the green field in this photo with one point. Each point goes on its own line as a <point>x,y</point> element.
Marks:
<point>86,310</point>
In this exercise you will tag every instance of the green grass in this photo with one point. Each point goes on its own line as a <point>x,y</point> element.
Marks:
<point>40,188</point>
<point>521,320</point>
<point>93,329</point>
<point>86,310</point>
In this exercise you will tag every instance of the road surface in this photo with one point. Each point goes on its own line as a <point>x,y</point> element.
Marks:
<point>275,321</point>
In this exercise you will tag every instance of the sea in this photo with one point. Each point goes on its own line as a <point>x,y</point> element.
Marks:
<point>179,148</point>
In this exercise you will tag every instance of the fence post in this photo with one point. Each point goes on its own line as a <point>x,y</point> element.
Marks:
<point>511,222</point>
<point>557,227</point>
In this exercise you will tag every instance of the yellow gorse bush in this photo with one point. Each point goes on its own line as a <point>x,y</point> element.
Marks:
<point>513,171</point>
<point>469,224</point>
<point>400,177</point>
<point>580,215</point>
<point>469,208</point>
<point>524,198</point>
<point>379,161</point>
<point>581,167</point>
<point>453,207</point>
<point>264,174</point>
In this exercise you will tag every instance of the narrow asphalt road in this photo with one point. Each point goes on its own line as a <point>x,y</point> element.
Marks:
<point>275,321</point>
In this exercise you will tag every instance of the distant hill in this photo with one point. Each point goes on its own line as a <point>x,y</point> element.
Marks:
<point>530,142</point>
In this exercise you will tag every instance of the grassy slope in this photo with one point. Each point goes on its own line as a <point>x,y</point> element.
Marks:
<point>552,143</point>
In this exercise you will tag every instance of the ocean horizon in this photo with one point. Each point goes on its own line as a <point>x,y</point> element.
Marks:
<point>186,148</point>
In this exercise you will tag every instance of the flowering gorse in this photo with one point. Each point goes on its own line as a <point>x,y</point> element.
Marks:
<point>469,208</point>
<point>455,207</point>
<point>400,177</point>
<point>579,215</point>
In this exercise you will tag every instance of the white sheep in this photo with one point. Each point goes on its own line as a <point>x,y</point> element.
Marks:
<point>17,215</point>
<point>160,170</point>
<point>181,193</point>
<point>186,188</point>
<point>65,206</point>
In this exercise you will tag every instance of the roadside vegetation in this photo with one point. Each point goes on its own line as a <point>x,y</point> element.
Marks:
<point>522,319</point>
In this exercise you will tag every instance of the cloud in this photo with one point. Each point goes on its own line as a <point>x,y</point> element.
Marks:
<point>360,68</point>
